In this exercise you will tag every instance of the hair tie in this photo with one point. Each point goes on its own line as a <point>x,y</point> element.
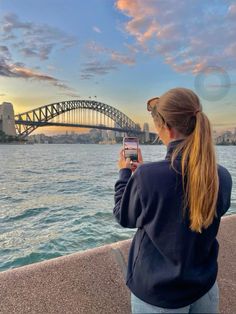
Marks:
<point>197,112</point>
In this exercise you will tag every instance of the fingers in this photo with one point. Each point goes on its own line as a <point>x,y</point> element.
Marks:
<point>140,157</point>
<point>122,153</point>
<point>127,162</point>
<point>134,166</point>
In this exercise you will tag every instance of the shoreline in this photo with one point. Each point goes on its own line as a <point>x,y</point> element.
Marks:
<point>142,144</point>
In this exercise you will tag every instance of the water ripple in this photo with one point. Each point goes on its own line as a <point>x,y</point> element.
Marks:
<point>58,199</point>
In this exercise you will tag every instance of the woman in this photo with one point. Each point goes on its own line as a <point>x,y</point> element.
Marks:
<point>176,204</point>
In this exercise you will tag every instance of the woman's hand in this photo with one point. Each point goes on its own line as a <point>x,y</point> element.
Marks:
<point>127,163</point>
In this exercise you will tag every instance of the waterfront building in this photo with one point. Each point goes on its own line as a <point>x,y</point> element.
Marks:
<point>226,138</point>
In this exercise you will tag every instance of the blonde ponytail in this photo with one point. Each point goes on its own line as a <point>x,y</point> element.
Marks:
<point>181,109</point>
<point>199,171</point>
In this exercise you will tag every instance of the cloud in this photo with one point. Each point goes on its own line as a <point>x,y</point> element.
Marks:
<point>51,67</point>
<point>121,58</point>
<point>27,52</point>
<point>142,24</point>
<point>97,30</point>
<point>86,76</point>
<point>109,60</point>
<point>33,40</point>
<point>94,48</point>
<point>19,70</point>
<point>189,35</point>
<point>5,53</point>
<point>72,95</point>
<point>94,68</point>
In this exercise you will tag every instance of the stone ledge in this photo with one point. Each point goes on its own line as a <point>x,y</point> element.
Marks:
<point>93,281</point>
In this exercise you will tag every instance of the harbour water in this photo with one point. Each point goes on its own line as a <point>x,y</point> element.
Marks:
<point>58,199</point>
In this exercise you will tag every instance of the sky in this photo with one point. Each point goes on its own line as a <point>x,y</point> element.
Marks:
<point>119,52</point>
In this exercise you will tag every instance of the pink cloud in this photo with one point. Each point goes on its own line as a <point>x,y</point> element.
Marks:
<point>136,7</point>
<point>143,24</point>
<point>190,35</point>
<point>121,58</point>
<point>19,70</point>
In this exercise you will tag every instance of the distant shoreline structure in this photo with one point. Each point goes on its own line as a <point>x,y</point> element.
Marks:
<point>67,139</point>
<point>103,137</point>
<point>110,137</point>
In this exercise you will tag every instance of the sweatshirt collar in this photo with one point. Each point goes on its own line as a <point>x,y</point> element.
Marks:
<point>171,147</point>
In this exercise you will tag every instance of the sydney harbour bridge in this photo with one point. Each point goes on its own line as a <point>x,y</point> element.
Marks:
<point>77,113</point>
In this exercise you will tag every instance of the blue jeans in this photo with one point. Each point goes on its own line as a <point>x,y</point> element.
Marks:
<point>209,303</point>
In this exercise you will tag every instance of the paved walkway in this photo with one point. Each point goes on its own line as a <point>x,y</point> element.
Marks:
<point>93,281</point>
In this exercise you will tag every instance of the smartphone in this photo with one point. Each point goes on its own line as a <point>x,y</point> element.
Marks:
<point>131,148</point>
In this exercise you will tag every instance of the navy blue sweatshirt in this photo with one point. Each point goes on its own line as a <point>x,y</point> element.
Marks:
<point>169,265</point>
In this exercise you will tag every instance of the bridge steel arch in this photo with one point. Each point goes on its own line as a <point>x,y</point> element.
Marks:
<point>28,121</point>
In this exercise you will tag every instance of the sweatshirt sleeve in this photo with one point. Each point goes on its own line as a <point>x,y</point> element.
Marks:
<point>128,210</point>
<point>225,190</point>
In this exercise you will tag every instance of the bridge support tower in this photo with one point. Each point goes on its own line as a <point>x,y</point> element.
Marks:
<point>7,119</point>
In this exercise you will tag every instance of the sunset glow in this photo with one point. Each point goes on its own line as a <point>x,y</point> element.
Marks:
<point>119,52</point>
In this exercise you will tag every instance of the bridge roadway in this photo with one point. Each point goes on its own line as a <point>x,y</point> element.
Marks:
<point>101,127</point>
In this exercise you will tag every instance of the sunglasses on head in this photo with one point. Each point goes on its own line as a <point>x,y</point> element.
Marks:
<point>151,103</point>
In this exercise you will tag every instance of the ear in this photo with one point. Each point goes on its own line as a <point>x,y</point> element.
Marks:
<point>170,131</point>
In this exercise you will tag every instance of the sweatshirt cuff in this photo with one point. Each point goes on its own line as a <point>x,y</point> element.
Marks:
<point>125,174</point>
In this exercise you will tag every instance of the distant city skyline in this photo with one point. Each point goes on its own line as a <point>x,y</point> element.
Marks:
<point>96,136</point>
<point>118,52</point>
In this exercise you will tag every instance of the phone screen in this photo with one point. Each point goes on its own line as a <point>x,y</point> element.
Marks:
<point>131,148</point>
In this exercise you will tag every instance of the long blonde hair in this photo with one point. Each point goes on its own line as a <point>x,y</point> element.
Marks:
<point>181,109</point>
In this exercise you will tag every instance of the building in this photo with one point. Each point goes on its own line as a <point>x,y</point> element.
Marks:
<point>146,132</point>
<point>7,119</point>
<point>111,135</point>
<point>104,135</point>
<point>227,138</point>
<point>118,135</point>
